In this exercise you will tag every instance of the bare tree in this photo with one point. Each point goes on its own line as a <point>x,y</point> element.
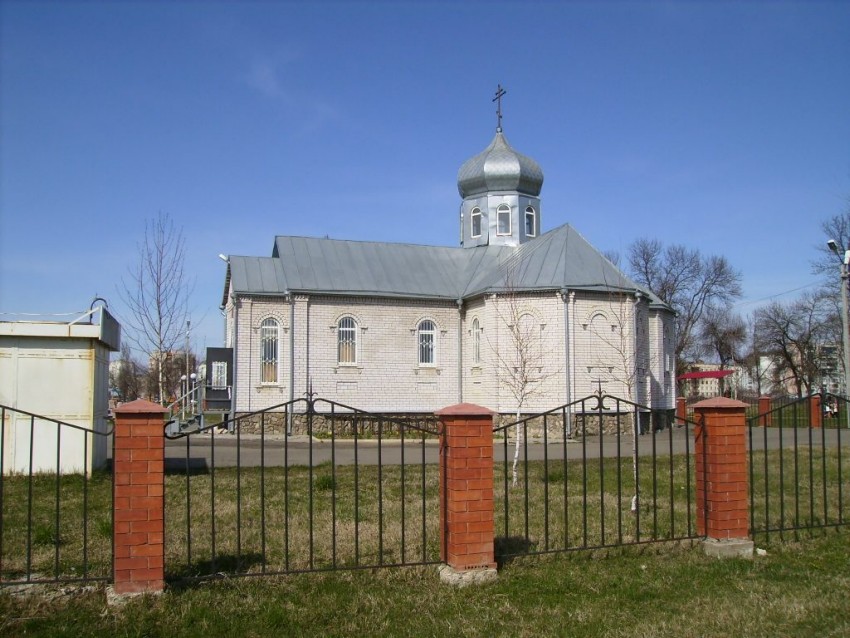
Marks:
<point>520,358</point>
<point>688,282</point>
<point>792,334</point>
<point>828,265</point>
<point>614,329</point>
<point>624,335</point>
<point>836,228</point>
<point>723,335</point>
<point>170,374</point>
<point>156,293</point>
<point>752,354</point>
<point>128,376</point>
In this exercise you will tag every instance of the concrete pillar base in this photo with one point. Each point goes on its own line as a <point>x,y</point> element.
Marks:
<point>118,599</point>
<point>728,548</point>
<point>451,576</point>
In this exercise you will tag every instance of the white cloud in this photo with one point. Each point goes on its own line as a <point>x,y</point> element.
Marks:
<point>309,112</point>
<point>263,76</point>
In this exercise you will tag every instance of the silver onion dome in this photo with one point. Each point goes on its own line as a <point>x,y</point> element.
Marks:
<point>499,168</point>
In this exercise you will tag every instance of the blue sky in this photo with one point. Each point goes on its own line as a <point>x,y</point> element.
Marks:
<point>722,126</point>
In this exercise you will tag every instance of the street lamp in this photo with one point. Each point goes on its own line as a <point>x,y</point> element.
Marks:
<point>845,260</point>
<point>183,386</point>
<point>193,398</point>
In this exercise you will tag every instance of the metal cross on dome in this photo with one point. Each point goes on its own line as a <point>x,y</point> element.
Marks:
<point>498,99</point>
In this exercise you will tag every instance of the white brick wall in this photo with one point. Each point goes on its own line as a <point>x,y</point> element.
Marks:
<point>388,378</point>
<point>603,344</point>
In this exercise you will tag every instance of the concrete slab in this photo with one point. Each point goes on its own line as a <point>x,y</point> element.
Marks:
<point>450,576</point>
<point>728,548</point>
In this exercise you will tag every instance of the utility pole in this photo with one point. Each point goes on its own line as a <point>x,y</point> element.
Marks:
<point>845,333</point>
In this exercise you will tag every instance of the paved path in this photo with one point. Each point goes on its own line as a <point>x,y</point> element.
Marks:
<point>300,450</point>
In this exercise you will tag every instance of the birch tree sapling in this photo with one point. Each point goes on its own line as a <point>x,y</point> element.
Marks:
<point>519,358</point>
<point>618,338</point>
<point>156,293</point>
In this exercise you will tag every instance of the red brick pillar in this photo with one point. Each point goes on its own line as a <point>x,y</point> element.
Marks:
<point>816,411</point>
<point>764,411</point>
<point>466,494</point>
<point>681,410</point>
<point>722,490</point>
<point>138,476</point>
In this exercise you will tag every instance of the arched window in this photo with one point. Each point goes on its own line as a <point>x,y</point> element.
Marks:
<point>427,334</point>
<point>530,225</point>
<point>268,351</point>
<point>476,341</point>
<point>503,220</point>
<point>475,217</point>
<point>347,341</point>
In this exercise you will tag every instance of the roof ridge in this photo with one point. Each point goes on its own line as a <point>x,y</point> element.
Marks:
<point>365,241</point>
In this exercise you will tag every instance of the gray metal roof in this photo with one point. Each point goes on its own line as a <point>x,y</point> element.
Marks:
<point>499,168</point>
<point>559,259</point>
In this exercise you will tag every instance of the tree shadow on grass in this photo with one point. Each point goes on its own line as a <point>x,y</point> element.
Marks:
<point>509,547</point>
<point>197,465</point>
<point>224,566</point>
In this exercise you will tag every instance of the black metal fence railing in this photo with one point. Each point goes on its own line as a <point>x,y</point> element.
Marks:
<point>798,466</point>
<point>602,472</point>
<point>55,500</point>
<point>346,490</point>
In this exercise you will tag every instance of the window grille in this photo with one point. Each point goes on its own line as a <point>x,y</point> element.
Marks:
<point>347,341</point>
<point>427,337</point>
<point>219,375</point>
<point>268,351</point>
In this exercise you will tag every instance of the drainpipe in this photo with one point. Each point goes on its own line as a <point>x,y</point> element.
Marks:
<point>250,344</point>
<point>460,350</point>
<point>636,398</point>
<point>307,388</point>
<point>291,299</point>
<point>565,297</point>
<point>235,344</point>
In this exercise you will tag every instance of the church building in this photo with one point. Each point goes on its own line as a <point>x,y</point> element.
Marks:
<point>517,318</point>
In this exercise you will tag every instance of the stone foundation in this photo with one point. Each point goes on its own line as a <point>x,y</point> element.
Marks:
<point>368,426</point>
<point>342,425</point>
<point>587,424</point>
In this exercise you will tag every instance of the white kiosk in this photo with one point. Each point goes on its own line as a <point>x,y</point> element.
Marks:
<point>52,372</point>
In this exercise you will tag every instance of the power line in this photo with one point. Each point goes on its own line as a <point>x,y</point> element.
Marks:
<point>778,294</point>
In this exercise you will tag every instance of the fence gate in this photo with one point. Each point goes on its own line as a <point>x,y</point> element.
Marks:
<point>603,472</point>
<point>307,485</point>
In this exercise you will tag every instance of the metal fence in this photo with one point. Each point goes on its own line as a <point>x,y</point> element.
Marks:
<point>349,489</point>
<point>55,501</point>
<point>598,472</point>
<point>798,466</point>
<point>355,490</point>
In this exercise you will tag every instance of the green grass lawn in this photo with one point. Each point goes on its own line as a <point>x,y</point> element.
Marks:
<point>276,521</point>
<point>797,589</point>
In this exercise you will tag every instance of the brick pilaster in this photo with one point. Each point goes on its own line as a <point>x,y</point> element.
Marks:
<point>466,488</point>
<point>816,411</point>
<point>764,411</point>
<point>681,410</point>
<point>138,476</point>
<point>722,489</point>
